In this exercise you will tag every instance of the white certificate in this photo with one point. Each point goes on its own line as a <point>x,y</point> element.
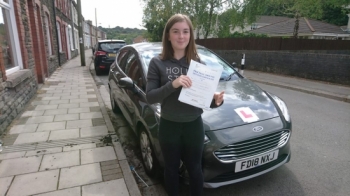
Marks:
<point>205,80</point>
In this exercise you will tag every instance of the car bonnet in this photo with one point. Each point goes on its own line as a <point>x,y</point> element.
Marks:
<point>244,103</point>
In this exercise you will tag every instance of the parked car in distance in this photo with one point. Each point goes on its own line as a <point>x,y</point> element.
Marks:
<point>247,136</point>
<point>104,53</point>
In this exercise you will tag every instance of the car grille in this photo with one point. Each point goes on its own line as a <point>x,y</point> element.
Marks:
<point>248,148</point>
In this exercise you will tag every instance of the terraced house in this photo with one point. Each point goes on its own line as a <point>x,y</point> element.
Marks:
<point>36,37</point>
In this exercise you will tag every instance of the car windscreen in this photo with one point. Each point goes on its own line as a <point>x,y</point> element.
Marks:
<point>111,46</point>
<point>208,57</point>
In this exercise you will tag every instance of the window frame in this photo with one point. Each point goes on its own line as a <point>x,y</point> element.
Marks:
<point>48,32</point>
<point>58,26</point>
<point>13,36</point>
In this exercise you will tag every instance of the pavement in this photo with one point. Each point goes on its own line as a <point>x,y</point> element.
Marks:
<point>64,142</point>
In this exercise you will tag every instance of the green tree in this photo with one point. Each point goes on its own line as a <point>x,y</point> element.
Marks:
<point>203,14</point>
<point>314,9</point>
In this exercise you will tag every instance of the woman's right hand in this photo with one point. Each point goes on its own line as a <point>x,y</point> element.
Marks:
<point>182,80</point>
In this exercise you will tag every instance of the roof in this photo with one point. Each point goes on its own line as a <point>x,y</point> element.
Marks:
<point>271,19</point>
<point>306,26</point>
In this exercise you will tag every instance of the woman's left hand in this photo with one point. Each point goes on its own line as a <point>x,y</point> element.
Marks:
<point>219,97</point>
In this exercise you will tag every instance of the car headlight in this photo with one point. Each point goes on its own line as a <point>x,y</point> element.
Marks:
<point>282,105</point>
<point>206,139</point>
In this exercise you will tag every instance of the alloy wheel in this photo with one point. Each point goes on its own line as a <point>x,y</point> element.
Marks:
<point>146,151</point>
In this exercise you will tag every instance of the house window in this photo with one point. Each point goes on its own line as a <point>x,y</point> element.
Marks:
<point>254,26</point>
<point>59,36</point>
<point>48,36</point>
<point>11,53</point>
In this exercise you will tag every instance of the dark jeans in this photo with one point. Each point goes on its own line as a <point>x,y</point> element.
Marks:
<point>182,140</point>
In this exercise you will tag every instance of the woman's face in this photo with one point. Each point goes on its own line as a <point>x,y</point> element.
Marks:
<point>179,35</point>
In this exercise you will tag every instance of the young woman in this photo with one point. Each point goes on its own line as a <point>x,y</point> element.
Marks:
<point>181,133</point>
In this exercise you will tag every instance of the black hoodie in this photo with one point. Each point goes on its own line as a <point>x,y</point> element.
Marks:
<point>159,89</point>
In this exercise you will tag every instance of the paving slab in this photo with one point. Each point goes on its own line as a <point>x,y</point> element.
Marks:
<point>79,93</point>
<point>34,183</point>
<point>113,187</point>
<point>55,91</point>
<point>5,184</point>
<point>93,131</point>
<point>17,129</point>
<point>64,134</point>
<point>68,105</point>
<point>39,103</point>
<point>60,160</point>
<point>80,175</point>
<point>78,110</point>
<point>32,137</point>
<point>39,119</point>
<point>61,94</point>
<point>32,113</point>
<point>79,124</point>
<point>87,96</point>
<point>91,115</point>
<point>45,95</point>
<point>43,151</point>
<point>51,126</point>
<point>12,155</point>
<point>70,97</point>
<point>76,191</point>
<point>90,104</point>
<point>11,167</point>
<point>66,117</point>
<point>45,107</point>
<point>55,112</point>
<point>50,98</point>
<point>78,147</point>
<point>78,100</point>
<point>97,155</point>
<point>57,102</point>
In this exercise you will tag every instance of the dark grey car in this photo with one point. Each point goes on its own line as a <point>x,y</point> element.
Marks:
<point>246,137</point>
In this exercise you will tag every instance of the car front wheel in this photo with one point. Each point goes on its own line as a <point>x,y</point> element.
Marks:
<point>114,105</point>
<point>149,159</point>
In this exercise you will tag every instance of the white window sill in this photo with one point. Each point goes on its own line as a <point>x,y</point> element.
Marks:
<point>17,77</point>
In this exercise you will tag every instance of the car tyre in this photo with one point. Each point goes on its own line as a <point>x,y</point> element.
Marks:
<point>115,107</point>
<point>97,71</point>
<point>149,160</point>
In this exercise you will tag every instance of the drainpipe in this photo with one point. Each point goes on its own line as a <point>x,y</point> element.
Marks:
<point>58,47</point>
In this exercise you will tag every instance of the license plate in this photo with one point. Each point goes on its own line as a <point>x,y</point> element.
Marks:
<point>256,161</point>
<point>112,55</point>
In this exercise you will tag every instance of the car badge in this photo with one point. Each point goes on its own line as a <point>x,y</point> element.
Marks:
<point>258,129</point>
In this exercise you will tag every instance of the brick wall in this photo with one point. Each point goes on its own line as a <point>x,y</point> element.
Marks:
<point>63,15</point>
<point>322,65</point>
<point>18,88</point>
<point>47,7</point>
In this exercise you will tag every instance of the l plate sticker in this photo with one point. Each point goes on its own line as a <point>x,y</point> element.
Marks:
<point>247,114</point>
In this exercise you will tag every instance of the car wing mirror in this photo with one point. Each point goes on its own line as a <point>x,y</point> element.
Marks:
<point>126,83</point>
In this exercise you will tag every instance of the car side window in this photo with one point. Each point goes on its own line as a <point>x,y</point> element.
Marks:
<point>133,70</point>
<point>121,58</point>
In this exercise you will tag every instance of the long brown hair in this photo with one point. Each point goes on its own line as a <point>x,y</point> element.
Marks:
<point>168,51</point>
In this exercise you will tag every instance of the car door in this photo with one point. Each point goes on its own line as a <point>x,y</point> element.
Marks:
<point>137,96</point>
<point>116,74</point>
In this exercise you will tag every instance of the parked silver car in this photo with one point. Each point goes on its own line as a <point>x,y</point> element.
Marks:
<point>247,136</point>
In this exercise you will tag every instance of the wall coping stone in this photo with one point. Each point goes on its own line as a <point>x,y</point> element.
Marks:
<point>17,77</point>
